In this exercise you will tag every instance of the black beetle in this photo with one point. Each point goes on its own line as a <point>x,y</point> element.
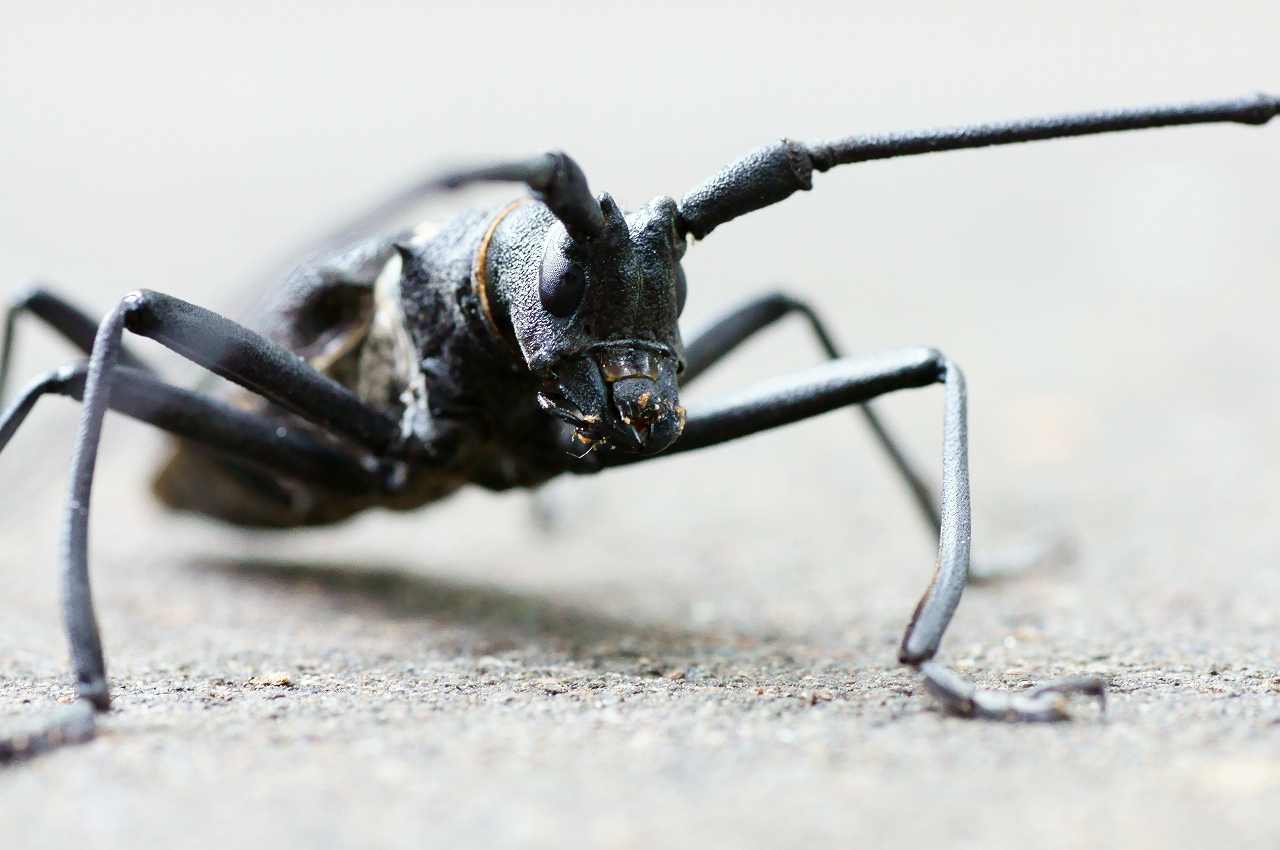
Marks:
<point>503,348</point>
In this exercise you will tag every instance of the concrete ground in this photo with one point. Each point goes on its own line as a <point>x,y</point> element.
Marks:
<point>696,652</point>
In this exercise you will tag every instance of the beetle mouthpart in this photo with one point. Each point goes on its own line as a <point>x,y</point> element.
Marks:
<point>559,407</point>
<point>647,422</point>
<point>620,364</point>
<point>586,430</point>
<point>623,397</point>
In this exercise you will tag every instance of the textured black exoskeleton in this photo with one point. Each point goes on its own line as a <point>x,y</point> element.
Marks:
<point>503,348</point>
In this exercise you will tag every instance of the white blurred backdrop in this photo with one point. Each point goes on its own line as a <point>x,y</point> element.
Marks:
<point>1113,301</point>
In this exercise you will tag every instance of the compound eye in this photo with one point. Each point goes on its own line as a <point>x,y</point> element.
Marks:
<point>562,283</point>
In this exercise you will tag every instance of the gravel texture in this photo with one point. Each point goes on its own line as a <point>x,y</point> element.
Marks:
<point>697,652</point>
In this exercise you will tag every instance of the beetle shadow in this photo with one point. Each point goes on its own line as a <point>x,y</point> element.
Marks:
<point>505,619</point>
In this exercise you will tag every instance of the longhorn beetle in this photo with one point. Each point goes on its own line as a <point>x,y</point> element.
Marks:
<point>503,348</point>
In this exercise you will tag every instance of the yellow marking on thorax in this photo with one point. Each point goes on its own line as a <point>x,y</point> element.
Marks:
<point>479,280</point>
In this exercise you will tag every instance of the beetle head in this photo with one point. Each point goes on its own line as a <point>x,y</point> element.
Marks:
<point>595,318</point>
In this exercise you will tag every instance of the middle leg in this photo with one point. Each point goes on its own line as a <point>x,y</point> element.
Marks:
<point>212,423</point>
<point>724,335</point>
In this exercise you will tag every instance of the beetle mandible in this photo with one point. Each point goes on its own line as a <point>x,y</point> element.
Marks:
<point>503,348</point>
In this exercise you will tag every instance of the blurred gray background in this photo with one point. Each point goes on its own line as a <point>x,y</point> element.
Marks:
<point>488,672</point>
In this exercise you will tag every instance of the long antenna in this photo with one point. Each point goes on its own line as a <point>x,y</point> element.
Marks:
<point>1258,109</point>
<point>774,172</point>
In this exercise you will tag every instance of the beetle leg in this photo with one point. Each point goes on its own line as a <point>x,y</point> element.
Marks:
<point>210,422</point>
<point>243,357</point>
<point>854,380</point>
<point>1044,703</point>
<point>70,724</point>
<point>227,349</point>
<point>724,335</point>
<point>70,322</point>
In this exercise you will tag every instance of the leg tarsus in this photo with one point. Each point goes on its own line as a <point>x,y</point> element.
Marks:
<point>1043,703</point>
<point>72,724</point>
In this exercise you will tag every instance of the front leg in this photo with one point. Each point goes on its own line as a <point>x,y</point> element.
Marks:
<point>855,380</point>
<point>237,354</point>
<point>226,349</point>
<point>68,321</point>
